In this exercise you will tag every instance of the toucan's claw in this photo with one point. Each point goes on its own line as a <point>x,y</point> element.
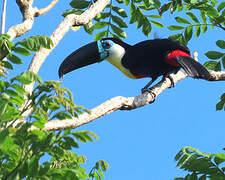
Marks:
<point>171,80</point>
<point>149,90</point>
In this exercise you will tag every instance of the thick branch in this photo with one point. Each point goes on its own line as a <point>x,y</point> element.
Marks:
<point>124,103</point>
<point>28,19</point>
<point>58,34</point>
<point>61,30</point>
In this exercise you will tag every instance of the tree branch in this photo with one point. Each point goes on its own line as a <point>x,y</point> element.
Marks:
<point>3,17</point>
<point>61,30</point>
<point>46,9</point>
<point>57,35</point>
<point>28,13</point>
<point>123,103</point>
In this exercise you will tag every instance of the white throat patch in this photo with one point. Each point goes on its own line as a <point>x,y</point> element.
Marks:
<point>116,53</point>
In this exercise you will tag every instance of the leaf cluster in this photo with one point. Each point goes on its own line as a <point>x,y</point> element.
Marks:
<point>201,165</point>
<point>22,150</point>
<point>113,19</point>
<point>211,16</point>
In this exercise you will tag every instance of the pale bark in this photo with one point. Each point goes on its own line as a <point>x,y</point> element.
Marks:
<point>28,13</point>
<point>124,103</point>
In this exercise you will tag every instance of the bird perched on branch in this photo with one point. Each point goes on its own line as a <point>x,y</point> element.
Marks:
<point>150,58</point>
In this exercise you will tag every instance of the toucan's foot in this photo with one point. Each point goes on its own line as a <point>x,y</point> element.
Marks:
<point>171,80</point>
<point>149,90</point>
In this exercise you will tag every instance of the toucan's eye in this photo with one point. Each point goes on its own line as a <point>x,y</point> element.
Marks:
<point>106,44</point>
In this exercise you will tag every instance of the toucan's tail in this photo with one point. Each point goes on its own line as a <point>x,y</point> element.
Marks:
<point>192,67</point>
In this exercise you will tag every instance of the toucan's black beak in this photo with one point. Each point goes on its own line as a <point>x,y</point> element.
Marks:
<point>83,56</point>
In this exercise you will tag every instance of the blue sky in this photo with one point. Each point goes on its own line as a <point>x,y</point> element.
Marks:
<point>142,143</point>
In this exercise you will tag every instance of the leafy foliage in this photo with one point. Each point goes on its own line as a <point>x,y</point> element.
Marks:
<point>200,165</point>
<point>23,146</point>
<point>111,21</point>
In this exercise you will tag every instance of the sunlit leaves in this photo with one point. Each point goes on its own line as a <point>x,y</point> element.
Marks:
<point>213,65</point>
<point>157,24</point>
<point>221,6</point>
<point>21,148</point>
<point>200,164</point>
<point>101,35</point>
<point>175,27</point>
<point>34,43</point>
<point>21,51</point>
<point>182,20</point>
<point>5,45</point>
<point>193,17</point>
<point>96,171</point>
<point>119,11</point>
<point>120,22</point>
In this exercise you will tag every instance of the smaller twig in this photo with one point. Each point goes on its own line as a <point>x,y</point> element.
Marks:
<point>3,17</point>
<point>46,9</point>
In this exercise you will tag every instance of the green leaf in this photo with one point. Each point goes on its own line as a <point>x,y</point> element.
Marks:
<point>176,36</point>
<point>79,4</point>
<point>126,2</point>
<point>21,51</point>
<point>89,28</point>
<point>119,11</point>
<point>212,65</point>
<point>193,17</point>
<point>33,166</point>
<point>221,104</point>
<point>203,16</point>
<point>7,65</point>
<point>211,12</point>
<point>100,25</point>
<point>219,20</point>
<point>72,11</point>
<point>223,62</point>
<point>3,135</point>
<point>34,43</point>
<point>214,54</point>
<point>221,6</point>
<point>14,59</point>
<point>154,16</point>
<point>147,28</point>
<point>119,1</point>
<point>75,28</point>
<point>118,31</point>
<point>157,24</point>
<point>100,35</point>
<point>27,77</point>
<point>164,8</point>
<point>221,44</point>
<point>157,4</point>
<point>188,33</point>
<point>182,20</point>
<point>197,30</point>
<point>204,28</point>
<point>175,28</point>
<point>119,21</point>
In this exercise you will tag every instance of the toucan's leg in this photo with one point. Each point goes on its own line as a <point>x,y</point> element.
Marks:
<point>147,89</point>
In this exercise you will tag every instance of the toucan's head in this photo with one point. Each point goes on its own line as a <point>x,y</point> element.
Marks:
<point>93,52</point>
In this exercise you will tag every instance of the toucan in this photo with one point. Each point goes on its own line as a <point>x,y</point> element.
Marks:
<point>149,58</point>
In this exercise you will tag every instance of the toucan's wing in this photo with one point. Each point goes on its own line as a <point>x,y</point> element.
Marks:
<point>150,52</point>
<point>192,67</point>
